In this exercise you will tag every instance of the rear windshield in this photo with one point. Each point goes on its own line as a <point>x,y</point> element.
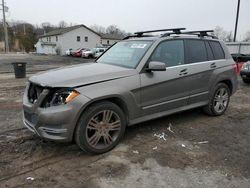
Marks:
<point>125,53</point>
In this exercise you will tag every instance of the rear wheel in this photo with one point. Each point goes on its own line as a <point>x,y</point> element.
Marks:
<point>218,101</point>
<point>100,128</point>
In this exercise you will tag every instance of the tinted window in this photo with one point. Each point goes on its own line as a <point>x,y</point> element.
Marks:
<point>169,52</point>
<point>195,51</point>
<point>217,50</point>
<point>210,55</point>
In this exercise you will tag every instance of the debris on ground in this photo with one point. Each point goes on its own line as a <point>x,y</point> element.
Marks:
<point>183,145</point>
<point>30,178</point>
<point>135,152</point>
<point>169,128</point>
<point>155,148</point>
<point>161,136</point>
<point>203,142</point>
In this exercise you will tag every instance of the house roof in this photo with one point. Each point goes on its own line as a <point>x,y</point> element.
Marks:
<point>65,30</point>
<point>112,36</point>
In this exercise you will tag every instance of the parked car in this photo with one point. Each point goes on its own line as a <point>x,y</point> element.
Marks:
<point>240,59</point>
<point>79,51</point>
<point>136,80</point>
<point>245,72</point>
<point>93,53</point>
<point>68,52</point>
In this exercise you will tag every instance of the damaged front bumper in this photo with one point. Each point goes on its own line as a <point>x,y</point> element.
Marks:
<point>55,122</point>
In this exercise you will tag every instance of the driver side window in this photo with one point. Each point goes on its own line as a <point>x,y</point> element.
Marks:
<point>169,52</point>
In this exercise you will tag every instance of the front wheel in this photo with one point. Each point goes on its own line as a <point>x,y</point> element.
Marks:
<point>218,101</point>
<point>100,128</point>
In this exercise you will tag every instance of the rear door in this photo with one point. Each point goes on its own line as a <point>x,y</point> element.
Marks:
<point>201,64</point>
<point>165,90</point>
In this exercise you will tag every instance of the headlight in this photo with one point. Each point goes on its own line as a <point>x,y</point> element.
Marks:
<point>61,97</point>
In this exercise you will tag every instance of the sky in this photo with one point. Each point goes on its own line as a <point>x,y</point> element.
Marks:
<point>135,15</point>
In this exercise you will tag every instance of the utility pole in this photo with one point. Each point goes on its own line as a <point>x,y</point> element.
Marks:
<point>236,23</point>
<point>6,37</point>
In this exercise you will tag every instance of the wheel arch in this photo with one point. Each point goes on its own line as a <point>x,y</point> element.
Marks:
<point>229,84</point>
<point>114,99</point>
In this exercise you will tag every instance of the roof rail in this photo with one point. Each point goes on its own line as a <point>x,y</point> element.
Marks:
<point>141,33</point>
<point>175,30</point>
<point>202,33</point>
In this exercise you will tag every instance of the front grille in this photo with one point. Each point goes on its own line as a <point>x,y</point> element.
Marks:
<point>34,92</point>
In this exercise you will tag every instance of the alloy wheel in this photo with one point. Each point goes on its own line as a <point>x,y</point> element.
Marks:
<point>103,129</point>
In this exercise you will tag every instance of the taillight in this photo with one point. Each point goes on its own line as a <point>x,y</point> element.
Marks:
<point>236,70</point>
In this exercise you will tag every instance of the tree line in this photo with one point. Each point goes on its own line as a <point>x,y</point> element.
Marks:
<point>23,36</point>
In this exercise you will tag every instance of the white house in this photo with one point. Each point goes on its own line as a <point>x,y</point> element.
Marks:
<point>60,40</point>
<point>110,39</point>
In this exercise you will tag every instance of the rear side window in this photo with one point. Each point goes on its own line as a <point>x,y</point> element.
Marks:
<point>210,55</point>
<point>217,50</point>
<point>195,51</point>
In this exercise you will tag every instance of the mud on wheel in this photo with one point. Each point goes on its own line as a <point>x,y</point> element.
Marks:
<point>100,128</point>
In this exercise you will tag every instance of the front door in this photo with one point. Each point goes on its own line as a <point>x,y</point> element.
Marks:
<point>165,90</point>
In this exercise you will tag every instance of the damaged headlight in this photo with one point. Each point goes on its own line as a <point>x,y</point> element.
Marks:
<point>60,97</point>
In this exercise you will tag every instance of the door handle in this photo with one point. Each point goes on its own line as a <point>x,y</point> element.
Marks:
<point>213,65</point>
<point>183,72</point>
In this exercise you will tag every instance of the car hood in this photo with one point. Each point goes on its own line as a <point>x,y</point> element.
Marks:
<point>80,75</point>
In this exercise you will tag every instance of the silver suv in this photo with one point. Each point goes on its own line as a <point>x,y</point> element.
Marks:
<point>140,78</point>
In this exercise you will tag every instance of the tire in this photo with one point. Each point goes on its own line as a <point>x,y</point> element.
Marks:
<point>100,128</point>
<point>218,101</point>
<point>245,81</point>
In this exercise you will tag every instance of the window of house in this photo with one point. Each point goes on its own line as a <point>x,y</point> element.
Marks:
<point>169,52</point>
<point>86,39</point>
<point>78,38</point>
<point>195,51</point>
<point>49,39</point>
<point>107,41</point>
<point>217,50</point>
<point>56,38</point>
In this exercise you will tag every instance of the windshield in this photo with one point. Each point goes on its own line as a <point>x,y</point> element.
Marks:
<point>125,53</point>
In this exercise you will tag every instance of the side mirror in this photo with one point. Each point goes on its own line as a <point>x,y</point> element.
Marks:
<point>156,66</point>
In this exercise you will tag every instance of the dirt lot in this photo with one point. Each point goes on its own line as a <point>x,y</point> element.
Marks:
<point>199,151</point>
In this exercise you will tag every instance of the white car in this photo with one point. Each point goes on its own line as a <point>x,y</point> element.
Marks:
<point>68,52</point>
<point>94,53</point>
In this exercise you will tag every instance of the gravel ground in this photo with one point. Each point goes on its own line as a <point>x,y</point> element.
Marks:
<point>199,151</point>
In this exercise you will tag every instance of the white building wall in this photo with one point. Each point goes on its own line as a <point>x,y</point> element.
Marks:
<point>69,40</point>
<point>41,48</point>
<point>111,41</point>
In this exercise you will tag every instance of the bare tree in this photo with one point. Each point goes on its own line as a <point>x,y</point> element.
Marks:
<point>229,37</point>
<point>62,24</point>
<point>98,28</point>
<point>222,34</point>
<point>247,37</point>
<point>112,29</point>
